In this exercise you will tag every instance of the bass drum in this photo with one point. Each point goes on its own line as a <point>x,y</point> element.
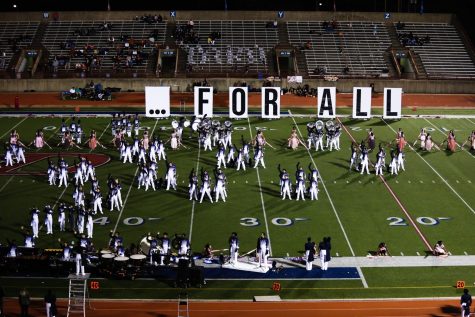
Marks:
<point>186,123</point>
<point>175,124</point>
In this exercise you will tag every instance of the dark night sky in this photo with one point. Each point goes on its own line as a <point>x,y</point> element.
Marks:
<point>463,8</point>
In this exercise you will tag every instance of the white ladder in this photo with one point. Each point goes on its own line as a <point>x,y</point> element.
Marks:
<point>77,294</point>
<point>183,308</point>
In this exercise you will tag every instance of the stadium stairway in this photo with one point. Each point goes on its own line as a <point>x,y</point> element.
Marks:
<point>421,71</point>
<point>395,44</point>
<point>283,34</point>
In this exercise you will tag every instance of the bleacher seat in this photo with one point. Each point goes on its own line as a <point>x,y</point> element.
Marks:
<point>359,45</point>
<point>445,54</point>
<point>243,44</point>
<point>14,30</point>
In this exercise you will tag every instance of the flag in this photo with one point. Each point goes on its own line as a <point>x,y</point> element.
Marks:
<point>225,5</point>
<point>422,7</point>
<point>108,5</point>
<point>334,5</point>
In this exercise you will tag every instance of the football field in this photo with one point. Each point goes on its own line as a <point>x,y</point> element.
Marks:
<point>433,199</point>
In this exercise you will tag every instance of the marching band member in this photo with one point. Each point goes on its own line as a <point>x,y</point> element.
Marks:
<point>193,186</point>
<point>310,250</point>
<point>97,199</point>
<point>422,137</point>
<point>135,146</point>
<point>285,185</point>
<point>79,132</point>
<point>63,175</point>
<point>153,243</point>
<point>152,154</point>
<point>78,196</point>
<point>89,223</point>
<point>262,250</point>
<point>313,175</point>
<point>319,139</point>
<point>300,188</point>
<point>51,173</point>
<point>165,249</point>
<point>35,212</point>
<point>49,219</point>
<point>128,153</point>
<point>78,176</point>
<point>221,156</point>
<point>354,157</point>
<point>233,248</point>
<point>171,176</point>
<point>205,187</point>
<point>230,156</point>
<point>20,155</point>
<point>114,197</point>
<point>430,143</point>
<point>259,156</point>
<point>80,219</point>
<point>313,189</point>
<point>136,124</point>
<point>62,217</point>
<point>184,246</point>
<point>451,143</point>
<point>142,159</point>
<point>322,251</point>
<point>91,172</point>
<point>207,142</point>
<point>470,141</point>
<point>93,142</point>
<point>161,150</point>
<point>293,141</point>
<point>371,140</point>
<point>128,127</point>
<point>393,163</point>
<point>9,156</point>
<point>143,176</point>
<point>380,161</point>
<point>240,160</point>
<point>364,161</point>
<point>150,179</point>
<point>79,261</point>
<point>174,141</point>
<point>220,186</point>
<point>400,160</point>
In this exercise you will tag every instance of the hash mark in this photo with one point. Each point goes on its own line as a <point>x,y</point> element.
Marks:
<point>397,182</point>
<point>402,254</point>
<point>469,181</point>
<point>21,181</point>
<point>234,182</point>
<point>465,252</point>
<point>457,181</point>
<point>422,182</point>
<point>418,253</point>
<point>334,182</point>
<point>337,254</point>
<point>347,182</point>
<point>433,181</point>
<point>359,182</point>
<point>408,182</point>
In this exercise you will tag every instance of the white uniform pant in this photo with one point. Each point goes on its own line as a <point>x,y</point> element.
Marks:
<point>127,156</point>
<point>79,266</point>
<point>260,160</point>
<point>34,228</point>
<point>364,165</point>
<point>52,178</point>
<point>62,222</point>
<point>171,181</point>
<point>48,309</point>
<point>90,229</point>
<point>98,205</point>
<point>21,157</point>
<point>63,180</point>
<point>233,250</point>
<point>222,161</point>
<point>286,191</point>
<point>49,224</point>
<point>323,265</point>
<point>308,264</point>
<point>393,168</point>
<point>220,192</point>
<point>319,144</point>
<point>161,155</point>
<point>239,164</point>
<point>193,192</point>
<point>114,202</point>
<point>8,160</point>
<point>313,193</point>
<point>207,144</point>
<point>263,257</point>
<point>207,192</point>
<point>300,192</point>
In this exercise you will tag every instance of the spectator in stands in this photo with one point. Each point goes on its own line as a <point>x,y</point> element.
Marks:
<point>3,56</point>
<point>400,25</point>
<point>346,70</point>
<point>24,301</point>
<point>55,65</point>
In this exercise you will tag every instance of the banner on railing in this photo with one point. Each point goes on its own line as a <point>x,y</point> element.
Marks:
<point>203,102</point>
<point>392,103</point>
<point>362,102</point>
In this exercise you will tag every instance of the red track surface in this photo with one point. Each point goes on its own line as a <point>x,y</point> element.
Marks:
<point>429,308</point>
<point>38,100</point>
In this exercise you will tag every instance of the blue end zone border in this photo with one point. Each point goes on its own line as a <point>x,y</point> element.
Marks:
<point>336,273</point>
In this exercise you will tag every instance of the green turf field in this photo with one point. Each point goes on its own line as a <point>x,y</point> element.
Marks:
<point>358,211</point>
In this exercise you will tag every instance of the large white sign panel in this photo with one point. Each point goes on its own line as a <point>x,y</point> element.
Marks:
<point>362,102</point>
<point>392,103</point>
<point>270,101</point>
<point>326,106</point>
<point>157,102</point>
<point>203,102</point>
<point>238,102</point>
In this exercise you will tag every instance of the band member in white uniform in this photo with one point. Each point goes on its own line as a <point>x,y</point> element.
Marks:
<point>63,176</point>
<point>262,250</point>
<point>128,153</point>
<point>400,160</point>
<point>79,261</point>
<point>89,224</point>
<point>150,179</point>
<point>310,250</point>
<point>165,250</point>
<point>422,137</point>
<point>207,142</point>
<point>35,222</point>
<point>193,186</point>
<point>80,220</point>
<point>205,188</point>
<point>259,157</point>
<point>161,150</point>
<point>364,161</point>
<point>184,246</point>
<point>286,190</point>
<point>220,186</point>
<point>9,156</point>
<point>393,164</point>
<point>97,199</point>
<point>233,248</point>
<point>380,161</point>
<point>20,154</point>
<point>62,217</point>
<point>313,189</point>
<point>300,188</point>
<point>49,219</point>
<point>240,160</point>
<point>114,198</point>
<point>354,157</point>
<point>171,176</point>
<point>220,156</point>
<point>322,252</point>
<point>230,156</point>
<point>78,176</point>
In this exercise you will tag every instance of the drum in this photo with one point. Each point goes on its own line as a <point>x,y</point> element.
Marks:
<point>228,124</point>
<point>105,252</point>
<point>138,259</point>
<point>144,246</point>
<point>216,123</point>
<point>121,259</point>
<point>186,123</point>
<point>175,124</point>
<point>319,125</point>
<point>107,256</point>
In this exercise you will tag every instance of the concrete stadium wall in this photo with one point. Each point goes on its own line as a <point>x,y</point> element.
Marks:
<point>232,15</point>
<point>180,85</point>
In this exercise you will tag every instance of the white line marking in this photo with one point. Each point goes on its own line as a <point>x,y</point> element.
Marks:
<point>260,192</point>
<point>360,272</point>
<point>402,254</point>
<point>194,201</point>
<point>418,253</point>
<point>437,173</point>
<point>130,188</point>
<point>8,181</point>
<point>445,135</point>
<point>465,252</point>
<point>13,128</point>
<point>470,121</point>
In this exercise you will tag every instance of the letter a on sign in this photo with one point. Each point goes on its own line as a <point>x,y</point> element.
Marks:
<point>270,100</point>
<point>392,103</point>
<point>326,106</point>
<point>238,102</point>
<point>362,102</point>
<point>157,102</point>
<point>203,102</point>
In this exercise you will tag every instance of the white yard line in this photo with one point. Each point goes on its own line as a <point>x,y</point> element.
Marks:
<point>130,188</point>
<point>437,173</point>
<point>13,128</point>
<point>470,154</point>
<point>8,181</point>
<point>194,201</point>
<point>260,192</point>
<point>363,279</point>
<point>470,121</point>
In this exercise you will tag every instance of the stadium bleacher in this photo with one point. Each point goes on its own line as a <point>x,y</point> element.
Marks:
<point>63,37</point>
<point>358,45</point>
<point>14,36</point>
<point>243,45</point>
<point>444,55</point>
